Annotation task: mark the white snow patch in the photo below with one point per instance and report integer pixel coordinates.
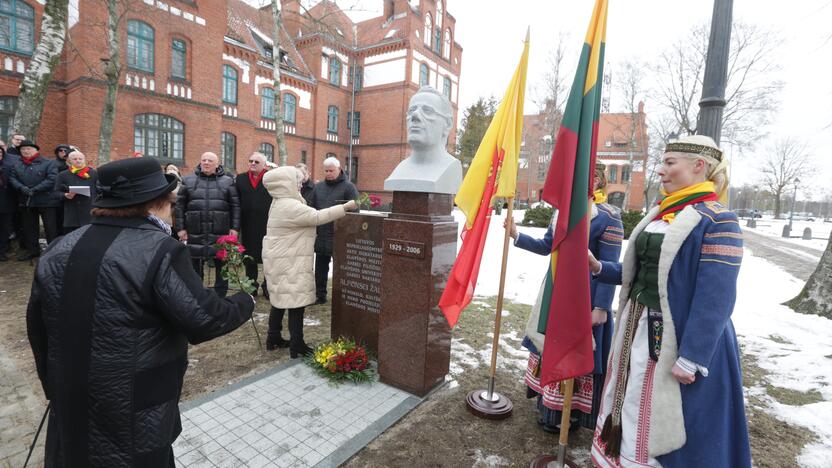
(488, 461)
(774, 228)
(308, 322)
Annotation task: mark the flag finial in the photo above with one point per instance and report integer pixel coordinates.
(528, 31)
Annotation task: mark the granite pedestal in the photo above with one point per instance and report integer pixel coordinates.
(356, 278)
(414, 339)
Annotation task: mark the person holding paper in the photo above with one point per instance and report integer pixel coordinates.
(77, 188)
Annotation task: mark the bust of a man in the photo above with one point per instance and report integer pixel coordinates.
(429, 168)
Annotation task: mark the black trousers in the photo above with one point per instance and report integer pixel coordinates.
(295, 326)
(5, 231)
(31, 226)
(220, 284)
(321, 274)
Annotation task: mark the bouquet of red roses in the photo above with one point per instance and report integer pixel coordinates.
(232, 254)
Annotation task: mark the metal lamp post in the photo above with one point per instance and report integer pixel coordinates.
(716, 71)
(794, 199)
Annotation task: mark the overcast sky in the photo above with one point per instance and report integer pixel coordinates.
(491, 34)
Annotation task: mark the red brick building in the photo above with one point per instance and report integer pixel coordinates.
(197, 77)
(617, 143)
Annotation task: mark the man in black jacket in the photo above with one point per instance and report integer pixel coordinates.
(207, 207)
(254, 213)
(34, 179)
(113, 307)
(333, 190)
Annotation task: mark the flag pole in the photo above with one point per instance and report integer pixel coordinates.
(567, 390)
(489, 404)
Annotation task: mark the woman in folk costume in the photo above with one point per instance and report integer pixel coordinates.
(605, 236)
(673, 395)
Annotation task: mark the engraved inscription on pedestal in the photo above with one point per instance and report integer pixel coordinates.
(360, 277)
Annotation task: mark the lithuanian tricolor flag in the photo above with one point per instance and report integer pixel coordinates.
(567, 350)
(493, 173)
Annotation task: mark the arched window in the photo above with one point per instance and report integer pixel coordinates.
(613, 177)
(290, 105)
(446, 51)
(140, 37)
(8, 106)
(159, 135)
(332, 119)
(267, 103)
(229, 151)
(335, 71)
(268, 150)
(17, 26)
(446, 87)
(625, 174)
(439, 15)
(424, 75)
(178, 59)
(428, 29)
(229, 84)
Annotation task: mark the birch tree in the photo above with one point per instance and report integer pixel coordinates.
(278, 101)
(552, 91)
(632, 92)
(112, 75)
(38, 76)
(816, 296)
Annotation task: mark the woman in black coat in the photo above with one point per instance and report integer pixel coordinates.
(125, 293)
(76, 206)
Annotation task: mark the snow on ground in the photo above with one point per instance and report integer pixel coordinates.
(774, 228)
(791, 347)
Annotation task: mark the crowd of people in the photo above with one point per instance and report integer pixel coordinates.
(145, 232)
(665, 390)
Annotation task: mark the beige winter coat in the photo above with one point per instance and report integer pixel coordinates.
(289, 245)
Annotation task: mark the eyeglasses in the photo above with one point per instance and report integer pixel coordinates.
(253, 161)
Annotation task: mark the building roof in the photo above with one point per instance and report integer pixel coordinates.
(252, 27)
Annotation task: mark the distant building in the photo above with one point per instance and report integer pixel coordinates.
(617, 145)
(197, 77)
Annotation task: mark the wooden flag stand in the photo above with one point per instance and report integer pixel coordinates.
(489, 404)
(560, 460)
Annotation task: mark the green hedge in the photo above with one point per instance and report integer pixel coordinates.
(630, 219)
(539, 216)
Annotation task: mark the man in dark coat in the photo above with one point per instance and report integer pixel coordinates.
(76, 209)
(14, 146)
(335, 189)
(34, 179)
(254, 213)
(8, 205)
(207, 207)
(113, 307)
(61, 153)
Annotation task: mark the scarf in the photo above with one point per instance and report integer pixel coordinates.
(160, 223)
(599, 196)
(82, 172)
(674, 202)
(28, 161)
(254, 179)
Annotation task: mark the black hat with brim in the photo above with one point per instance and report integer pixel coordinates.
(28, 143)
(130, 182)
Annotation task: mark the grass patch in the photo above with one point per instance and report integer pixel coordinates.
(791, 397)
(779, 339)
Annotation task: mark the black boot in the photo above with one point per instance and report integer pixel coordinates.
(297, 347)
(274, 340)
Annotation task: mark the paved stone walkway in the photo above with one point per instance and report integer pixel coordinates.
(286, 417)
(20, 412)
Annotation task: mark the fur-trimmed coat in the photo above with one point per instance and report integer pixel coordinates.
(704, 423)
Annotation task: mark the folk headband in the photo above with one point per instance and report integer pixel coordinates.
(693, 148)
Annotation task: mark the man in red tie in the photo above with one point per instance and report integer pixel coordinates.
(254, 212)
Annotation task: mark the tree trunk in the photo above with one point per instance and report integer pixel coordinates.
(112, 72)
(33, 89)
(816, 296)
(776, 205)
(278, 97)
